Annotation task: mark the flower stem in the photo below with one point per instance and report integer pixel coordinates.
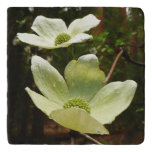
(114, 65)
(72, 140)
(90, 138)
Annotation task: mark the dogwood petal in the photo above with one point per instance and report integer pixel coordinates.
(111, 100)
(76, 39)
(84, 78)
(49, 81)
(45, 105)
(83, 24)
(79, 38)
(48, 28)
(35, 40)
(78, 120)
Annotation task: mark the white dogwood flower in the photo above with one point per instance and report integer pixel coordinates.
(81, 101)
(53, 33)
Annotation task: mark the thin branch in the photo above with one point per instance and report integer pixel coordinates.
(114, 65)
(128, 58)
(90, 138)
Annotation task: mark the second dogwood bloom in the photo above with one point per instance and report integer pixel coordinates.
(53, 33)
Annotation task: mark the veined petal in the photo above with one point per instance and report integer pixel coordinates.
(35, 40)
(111, 100)
(49, 81)
(76, 39)
(79, 120)
(48, 28)
(83, 24)
(79, 38)
(45, 105)
(84, 78)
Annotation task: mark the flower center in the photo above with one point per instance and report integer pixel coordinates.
(78, 103)
(62, 38)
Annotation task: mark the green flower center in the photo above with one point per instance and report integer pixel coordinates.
(62, 38)
(78, 103)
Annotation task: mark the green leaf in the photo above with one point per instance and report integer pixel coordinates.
(140, 109)
(103, 50)
(78, 120)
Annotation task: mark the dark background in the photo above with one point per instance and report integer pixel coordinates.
(119, 27)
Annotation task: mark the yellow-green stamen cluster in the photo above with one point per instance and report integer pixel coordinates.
(62, 38)
(78, 103)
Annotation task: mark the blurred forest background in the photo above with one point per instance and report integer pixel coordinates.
(119, 27)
